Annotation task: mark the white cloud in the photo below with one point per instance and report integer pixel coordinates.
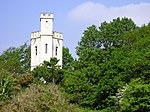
(95, 13)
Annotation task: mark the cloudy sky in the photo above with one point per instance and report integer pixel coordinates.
(18, 18)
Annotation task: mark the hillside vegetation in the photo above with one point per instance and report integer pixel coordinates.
(111, 74)
(40, 98)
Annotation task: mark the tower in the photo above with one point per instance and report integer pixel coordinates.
(46, 43)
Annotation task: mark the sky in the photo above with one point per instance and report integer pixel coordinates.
(18, 18)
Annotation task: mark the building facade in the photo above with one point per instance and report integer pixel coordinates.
(46, 43)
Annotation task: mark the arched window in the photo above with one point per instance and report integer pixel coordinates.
(56, 52)
(35, 50)
(46, 46)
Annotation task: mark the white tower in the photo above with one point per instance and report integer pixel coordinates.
(46, 43)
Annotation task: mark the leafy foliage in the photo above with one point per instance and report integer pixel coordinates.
(24, 80)
(67, 59)
(13, 62)
(135, 97)
(41, 98)
(109, 58)
(6, 85)
(108, 34)
(49, 71)
(16, 60)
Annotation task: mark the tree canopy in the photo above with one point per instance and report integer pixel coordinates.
(110, 57)
(16, 60)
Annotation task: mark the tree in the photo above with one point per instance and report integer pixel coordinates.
(112, 33)
(108, 34)
(25, 54)
(134, 97)
(49, 71)
(67, 59)
(10, 61)
(90, 40)
(98, 43)
(16, 60)
(108, 59)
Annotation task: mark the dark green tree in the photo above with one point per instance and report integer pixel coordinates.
(49, 71)
(67, 59)
(112, 33)
(10, 61)
(108, 34)
(25, 54)
(134, 97)
(16, 60)
(99, 74)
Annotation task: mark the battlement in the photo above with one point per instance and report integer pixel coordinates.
(35, 34)
(46, 16)
(57, 35)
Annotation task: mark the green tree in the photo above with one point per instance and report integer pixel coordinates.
(16, 60)
(102, 65)
(67, 59)
(10, 61)
(25, 54)
(112, 33)
(49, 71)
(108, 34)
(134, 97)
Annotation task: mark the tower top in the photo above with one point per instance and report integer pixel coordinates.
(47, 16)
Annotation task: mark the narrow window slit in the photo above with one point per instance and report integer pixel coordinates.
(35, 50)
(56, 52)
(46, 45)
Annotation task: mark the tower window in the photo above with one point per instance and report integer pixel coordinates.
(35, 50)
(46, 24)
(56, 52)
(46, 45)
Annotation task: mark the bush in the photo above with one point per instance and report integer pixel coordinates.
(135, 97)
(6, 85)
(24, 80)
(40, 98)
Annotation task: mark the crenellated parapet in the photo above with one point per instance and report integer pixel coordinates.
(46, 16)
(35, 34)
(58, 35)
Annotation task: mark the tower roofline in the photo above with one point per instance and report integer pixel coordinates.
(47, 16)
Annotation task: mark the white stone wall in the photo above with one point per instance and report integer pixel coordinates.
(46, 21)
(58, 42)
(46, 37)
(46, 40)
(35, 42)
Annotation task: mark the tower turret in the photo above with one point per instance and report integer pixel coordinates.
(46, 20)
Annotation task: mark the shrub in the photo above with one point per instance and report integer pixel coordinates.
(24, 80)
(6, 85)
(40, 98)
(135, 97)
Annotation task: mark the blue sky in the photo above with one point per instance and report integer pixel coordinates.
(18, 18)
